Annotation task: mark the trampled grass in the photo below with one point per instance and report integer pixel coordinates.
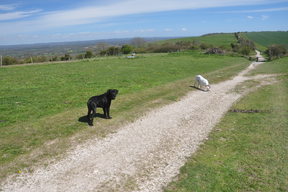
(42, 105)
(245, 151)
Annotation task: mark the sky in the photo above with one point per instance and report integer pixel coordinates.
(42, 21)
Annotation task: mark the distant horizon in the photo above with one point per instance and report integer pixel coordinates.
(34, 22)
(108, 39)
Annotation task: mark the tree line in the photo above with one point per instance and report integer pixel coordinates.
(243, 47)
(113, 50)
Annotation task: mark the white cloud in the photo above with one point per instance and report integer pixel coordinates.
(94, 14)
(144, 30)
(250, 17)
(17, 14)
(8, 7)
(121, 32)
(168, 30)
(184, 29)
(257, 10)
(264, 17)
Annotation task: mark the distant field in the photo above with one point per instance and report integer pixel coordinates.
(220, 39)
(268, 38)
(42, 103)
(245, 151)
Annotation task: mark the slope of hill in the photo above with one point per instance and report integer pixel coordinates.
(261, 39)
(267, 38)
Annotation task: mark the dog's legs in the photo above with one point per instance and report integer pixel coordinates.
(89, 115)
(106, 112)
(92, 116)
(196, 84)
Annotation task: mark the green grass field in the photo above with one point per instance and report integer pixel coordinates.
(31, 92)
(279, 66)
(265, 39)
(245, 151)
(41, 106)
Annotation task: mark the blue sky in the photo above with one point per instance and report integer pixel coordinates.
(36, 21)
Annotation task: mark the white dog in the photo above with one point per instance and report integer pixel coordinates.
(201, 82)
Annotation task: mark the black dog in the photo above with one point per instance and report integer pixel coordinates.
(103, 101)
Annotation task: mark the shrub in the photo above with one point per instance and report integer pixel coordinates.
(88, 54)
(126, 49)
(183, 45)
(80, 56)
(8, 60)
(215, 51)
(163, 48)
(205, 46)
(113, 51)
(66, 57)
(276, 51)
(39, 59)
(243, 46)
(54, 58)
(103, 53)
(245, 50)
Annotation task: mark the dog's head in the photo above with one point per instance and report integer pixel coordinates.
(112, 93)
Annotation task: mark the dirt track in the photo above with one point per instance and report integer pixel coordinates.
(142, 156)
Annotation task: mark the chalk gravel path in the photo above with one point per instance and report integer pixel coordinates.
(142, 156)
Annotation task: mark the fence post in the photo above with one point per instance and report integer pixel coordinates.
(0, 60)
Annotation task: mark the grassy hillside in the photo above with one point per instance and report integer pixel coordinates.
(219, 39)
(261, 39)
(246, 151)
(41, 106)
(268, 38)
